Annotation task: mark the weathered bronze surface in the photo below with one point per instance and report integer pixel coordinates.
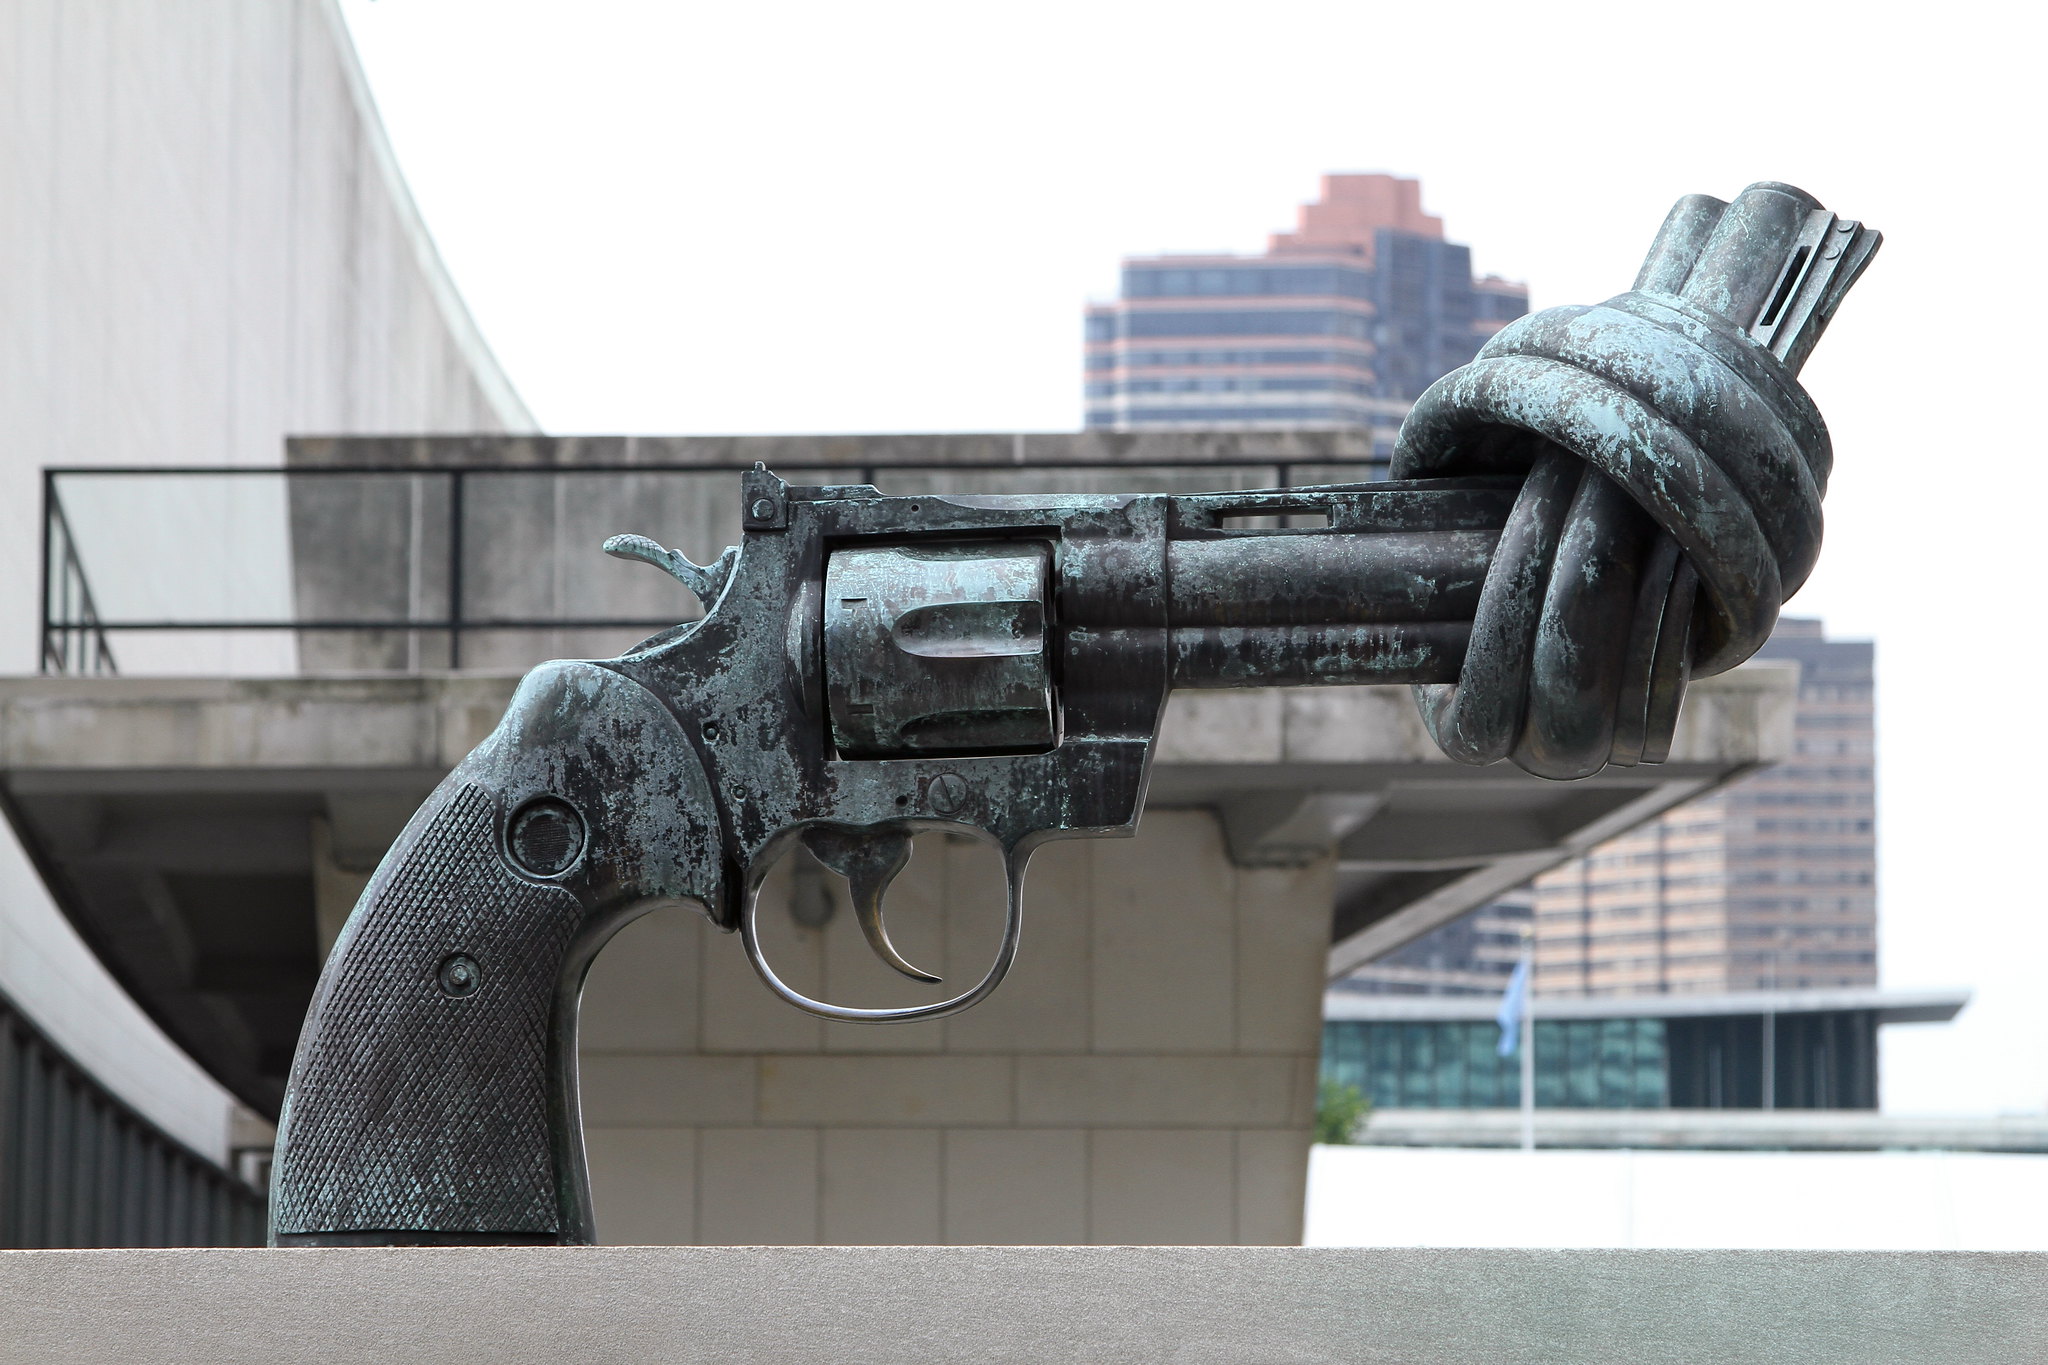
(1605, 502)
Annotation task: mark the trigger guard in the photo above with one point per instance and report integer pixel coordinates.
(1006, 954)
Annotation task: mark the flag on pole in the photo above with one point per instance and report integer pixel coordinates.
(1514, 1003)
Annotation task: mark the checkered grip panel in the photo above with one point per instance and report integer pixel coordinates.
(403, 1095)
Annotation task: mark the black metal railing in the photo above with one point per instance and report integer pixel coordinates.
(79, 1168)
(71, 639)
(76, 631)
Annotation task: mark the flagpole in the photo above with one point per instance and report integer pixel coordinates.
(1529, 1042)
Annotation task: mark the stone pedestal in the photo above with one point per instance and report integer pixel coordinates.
(1044, 1305)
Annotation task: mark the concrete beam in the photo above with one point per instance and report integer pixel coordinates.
(139, 733)
(1890, 1006)
(1743, 1130)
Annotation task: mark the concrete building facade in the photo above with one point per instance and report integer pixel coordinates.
(1472, 955)
(204, 245)
(1341, 323)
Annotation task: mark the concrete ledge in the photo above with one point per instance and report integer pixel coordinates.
(862, 1305)
(1743, 1130)
(1723, 1202)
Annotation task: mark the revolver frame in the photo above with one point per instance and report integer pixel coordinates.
(747, 682)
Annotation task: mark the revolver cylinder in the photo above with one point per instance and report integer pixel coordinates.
(939, 648)
(953, 646)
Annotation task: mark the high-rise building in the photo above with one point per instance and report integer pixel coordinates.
(1767, 884)
(1342, 322)
(1770, 883)
(1474, 954)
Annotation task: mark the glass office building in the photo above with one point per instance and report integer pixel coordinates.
(1456, 1064)
(1762, 1050)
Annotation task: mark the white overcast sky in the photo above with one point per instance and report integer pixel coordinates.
(859, 216)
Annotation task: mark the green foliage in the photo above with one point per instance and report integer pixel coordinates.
(1341, 1110)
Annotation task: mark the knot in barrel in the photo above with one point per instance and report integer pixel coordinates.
(1673, 473)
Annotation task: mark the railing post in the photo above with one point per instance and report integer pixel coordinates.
(43, 631)
(10, 1134)
(455, 568)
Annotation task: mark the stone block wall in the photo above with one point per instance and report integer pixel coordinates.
(1146, 1074)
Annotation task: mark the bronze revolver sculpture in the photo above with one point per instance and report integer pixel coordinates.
(1606, 501)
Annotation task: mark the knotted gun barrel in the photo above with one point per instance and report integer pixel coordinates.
(1656, 482)
(1673, 471)
(1606, 501)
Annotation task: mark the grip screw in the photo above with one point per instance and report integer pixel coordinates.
(459, 976)
(946, 793)
(546, 836)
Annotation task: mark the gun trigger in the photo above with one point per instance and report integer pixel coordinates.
(705, 580)
(869, 862)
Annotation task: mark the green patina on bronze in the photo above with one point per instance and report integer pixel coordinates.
(1604, 503)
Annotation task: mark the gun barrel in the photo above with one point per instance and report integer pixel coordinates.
(1299, 656)
(1384, 592)
(1328, 578)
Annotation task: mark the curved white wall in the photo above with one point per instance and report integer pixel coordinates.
(205, 245)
